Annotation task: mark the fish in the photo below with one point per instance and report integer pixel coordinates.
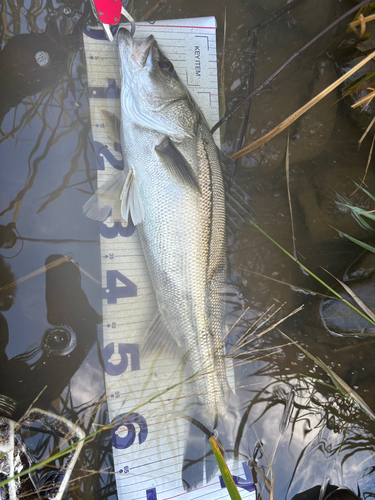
(172, 189)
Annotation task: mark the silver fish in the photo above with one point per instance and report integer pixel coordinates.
(174, 193)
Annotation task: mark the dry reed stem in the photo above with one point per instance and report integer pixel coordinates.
(364, 213)
(340, 385)
(236, 323)
(253, 331)
(352, 346)
(43, 269)
(275, 350)
(361, 19)
(297, 114)
(361, 22)
(18, 424)
(298, 288)
(241, 341)
(358, 301)
(274, 325)
(366, 132)
(367, 166)
(153, 9)
(260, 319)
(363, 25)
(365, 100)
(86, 273)
(248, 331)
(222, 71)
(289, 196)
(270, 470)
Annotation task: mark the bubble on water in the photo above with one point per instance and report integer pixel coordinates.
(59, 340)
(42, 58)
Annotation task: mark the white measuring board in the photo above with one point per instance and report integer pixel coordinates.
(149, 446)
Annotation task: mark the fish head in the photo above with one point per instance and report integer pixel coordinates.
(152, 94)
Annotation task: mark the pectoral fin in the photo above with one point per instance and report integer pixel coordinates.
(131, 201)
(159, 338)
(106, 198)
(176, 164)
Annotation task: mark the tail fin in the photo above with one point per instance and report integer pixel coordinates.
(200, 466)
(199, 462)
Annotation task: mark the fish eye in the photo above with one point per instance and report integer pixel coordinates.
(166, 65)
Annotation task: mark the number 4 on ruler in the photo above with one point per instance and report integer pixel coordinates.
(113, 292)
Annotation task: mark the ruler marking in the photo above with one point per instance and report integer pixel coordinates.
(160, 456)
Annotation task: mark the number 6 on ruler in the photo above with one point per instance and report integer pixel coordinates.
(124, 433)
(113, 292)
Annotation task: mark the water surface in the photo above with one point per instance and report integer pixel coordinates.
(48, 171)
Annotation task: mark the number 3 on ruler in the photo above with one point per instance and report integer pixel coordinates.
(114, 292)
(117, 229)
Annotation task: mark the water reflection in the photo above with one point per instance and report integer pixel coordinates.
(327, 440)
(24, 443)
(44, 371)
(48, 328)
(33, 62)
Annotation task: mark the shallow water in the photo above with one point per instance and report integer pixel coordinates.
(48, 171)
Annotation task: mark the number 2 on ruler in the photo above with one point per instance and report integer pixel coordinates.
(113, 292)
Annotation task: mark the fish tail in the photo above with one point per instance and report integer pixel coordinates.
(200, 466)
(228, 425)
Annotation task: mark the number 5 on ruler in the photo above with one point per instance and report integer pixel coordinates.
(113, 292)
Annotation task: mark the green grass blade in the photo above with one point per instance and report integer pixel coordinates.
(338, 382)
(366, 246)
(367, 192)
(360, 243)
(358, 212)
(314, 275)
(227, 476)
(362, 80)
(369, 216)
(363, 222)
(91, 436)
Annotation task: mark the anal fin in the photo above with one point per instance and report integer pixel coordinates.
(158, 338)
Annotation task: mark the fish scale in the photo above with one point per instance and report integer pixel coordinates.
(182, 232)
(173, 190)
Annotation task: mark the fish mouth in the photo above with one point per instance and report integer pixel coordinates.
(139, 53)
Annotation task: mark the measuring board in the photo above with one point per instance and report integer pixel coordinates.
(149, 446)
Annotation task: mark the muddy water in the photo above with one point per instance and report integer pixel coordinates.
(48, 170)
